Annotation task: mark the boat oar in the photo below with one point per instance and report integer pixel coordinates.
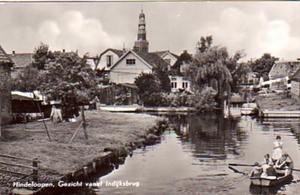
(237, 171)
(296, 169)
(244, 165)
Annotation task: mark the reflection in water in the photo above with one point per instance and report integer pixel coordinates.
(209, 137)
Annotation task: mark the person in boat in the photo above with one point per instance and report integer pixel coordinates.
(277, 152)
(267, 167)
(257, 170)
(267, 160)
(284, 161)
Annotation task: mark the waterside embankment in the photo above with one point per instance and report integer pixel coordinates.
(278, 105)
(110, 136)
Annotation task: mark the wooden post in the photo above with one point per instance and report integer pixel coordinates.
(75, 133)
(84, 122)
(35, 171)
(43, 120)
(0, 112)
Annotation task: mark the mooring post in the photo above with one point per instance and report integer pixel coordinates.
(85, 171)
(35, 169)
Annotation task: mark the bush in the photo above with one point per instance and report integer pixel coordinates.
(205, 100)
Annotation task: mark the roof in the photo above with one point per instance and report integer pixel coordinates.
(284, 68)
(151, 59)
(4, 58)
(296, 76)
(185, 57)
(163, 53)
(21, 60)
(116, 51)
(22, 98)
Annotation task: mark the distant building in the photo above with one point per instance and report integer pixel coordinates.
(178, 80)
(280, 73)
(20, 60)
(141, 44)
(168, 56)
(282, 69)
(108, 58)
(132, 64)
(5, 87)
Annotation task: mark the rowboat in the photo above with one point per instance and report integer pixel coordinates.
(249, 109)
(128, 108)
(282, 176)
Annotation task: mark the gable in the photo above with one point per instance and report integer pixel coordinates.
(108, 58)
(4, 58)
(169, 58)
(139, 64)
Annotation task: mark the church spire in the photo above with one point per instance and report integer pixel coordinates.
(141, 44)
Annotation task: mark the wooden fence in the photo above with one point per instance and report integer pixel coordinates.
(8, 161)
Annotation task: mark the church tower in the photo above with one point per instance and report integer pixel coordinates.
(141, 44)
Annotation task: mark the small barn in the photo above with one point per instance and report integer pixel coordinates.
(23, 107)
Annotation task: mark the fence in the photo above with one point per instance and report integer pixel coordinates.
(10, 163)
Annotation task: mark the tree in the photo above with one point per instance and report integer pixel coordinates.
(239, 71)
(41, 56)
(209, 69)
(162, 76)
(27, 80)
(149, 89)
(263, 65)
(68, 78)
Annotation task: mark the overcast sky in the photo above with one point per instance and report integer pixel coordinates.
(255, 27)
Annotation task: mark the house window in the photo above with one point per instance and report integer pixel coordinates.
(168, 61)
(173, 85)
(185, 85)
(173, 79)
(109, 60)
(130, 61)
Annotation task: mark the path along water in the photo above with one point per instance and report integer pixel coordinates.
(193, 158)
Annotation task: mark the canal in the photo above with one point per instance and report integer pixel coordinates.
(192, 158)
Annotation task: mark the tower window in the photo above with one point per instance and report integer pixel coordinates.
(130, 62)
(109, 60)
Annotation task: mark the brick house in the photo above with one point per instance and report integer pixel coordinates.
(5, 87)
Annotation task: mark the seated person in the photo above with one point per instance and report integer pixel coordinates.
(283, 162)
(267, 160)
(267, 167)
(257, 170)
(271, 171)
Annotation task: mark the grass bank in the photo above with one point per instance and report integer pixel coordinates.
(277, 101)
(58, 157)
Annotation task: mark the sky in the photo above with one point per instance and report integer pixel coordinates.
(92, 27)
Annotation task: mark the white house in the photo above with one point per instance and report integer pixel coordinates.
(132, 64)
(178, 81)
(108, 58)
(168, 56)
